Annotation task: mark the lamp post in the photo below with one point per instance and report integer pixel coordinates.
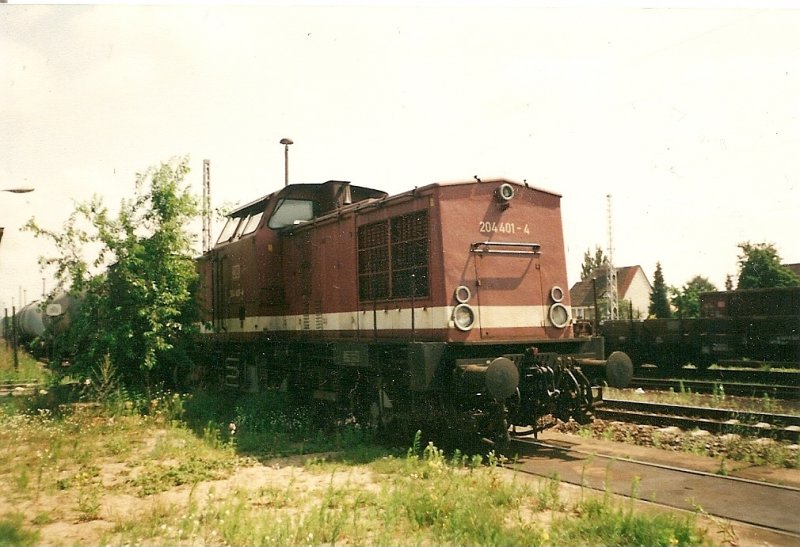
(286, 142)
(13, 309)
(18, 190)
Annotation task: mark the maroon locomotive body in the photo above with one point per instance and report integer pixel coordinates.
(442, 303)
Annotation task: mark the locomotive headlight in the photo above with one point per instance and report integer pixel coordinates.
(559, 315)
(557, 293)
(505, 192)
(463, 294)
(464, 317)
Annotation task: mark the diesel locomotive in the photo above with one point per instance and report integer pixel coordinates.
(443, 307)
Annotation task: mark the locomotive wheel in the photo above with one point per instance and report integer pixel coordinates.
(499, 435)
(373, 410)
(579, 405)
(380, 415)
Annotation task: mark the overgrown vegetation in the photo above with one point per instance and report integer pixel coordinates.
(137, 290)
(27, 368)
(168, 469)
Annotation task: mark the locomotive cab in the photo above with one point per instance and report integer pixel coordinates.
(242, 277)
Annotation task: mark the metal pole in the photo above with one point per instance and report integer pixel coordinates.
(14, 337)
(286, 142)
(594, 296)
(413, 298)
(206, 205)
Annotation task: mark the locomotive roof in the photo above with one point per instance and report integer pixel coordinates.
(371, 194)
(363, 191)
(499, 180)
(380, 201)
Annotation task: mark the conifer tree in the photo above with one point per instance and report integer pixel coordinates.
(728, 282)
(659, 302)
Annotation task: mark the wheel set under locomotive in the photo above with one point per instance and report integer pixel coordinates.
(440, 308)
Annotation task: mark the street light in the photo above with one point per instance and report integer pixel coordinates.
(286, 142)
(13, 310)
(18, 190)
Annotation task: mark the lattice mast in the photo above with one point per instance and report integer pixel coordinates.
(612, 311)
(206, 205)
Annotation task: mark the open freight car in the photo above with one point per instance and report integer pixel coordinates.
(746, 324)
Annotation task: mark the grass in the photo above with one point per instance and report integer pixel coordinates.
(424, 497)
(167, 470)
(28, 368)
(14, 534)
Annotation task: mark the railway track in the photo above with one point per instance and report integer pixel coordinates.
(776, 391)
(740, 375)
(745, 363)
(782, 427)
(19, 387)
(767, 507)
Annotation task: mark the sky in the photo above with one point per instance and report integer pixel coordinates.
(689, 118)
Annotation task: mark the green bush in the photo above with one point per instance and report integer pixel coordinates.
(13, 534)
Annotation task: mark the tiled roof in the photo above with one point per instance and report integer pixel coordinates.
(582, 294)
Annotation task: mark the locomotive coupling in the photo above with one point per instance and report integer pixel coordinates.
(500, 377)
(618, 368)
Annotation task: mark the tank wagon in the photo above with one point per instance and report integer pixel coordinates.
(40, 324)
(751, 324)
(441, 307)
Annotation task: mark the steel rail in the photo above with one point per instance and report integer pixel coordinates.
(730, 388)
(766, 377)
(783, 427)
(737, 499)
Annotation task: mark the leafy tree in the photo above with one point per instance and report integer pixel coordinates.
(687, 299)
(592, 262)
(760, 267)
(625, 309)
(728, 282)
(139, 309)
(659, 305)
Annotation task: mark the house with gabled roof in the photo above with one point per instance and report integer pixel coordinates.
(632, 287)
(794, 267)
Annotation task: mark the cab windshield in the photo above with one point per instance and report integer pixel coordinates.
(290, 212)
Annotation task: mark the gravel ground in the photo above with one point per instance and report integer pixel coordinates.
(766, 452)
